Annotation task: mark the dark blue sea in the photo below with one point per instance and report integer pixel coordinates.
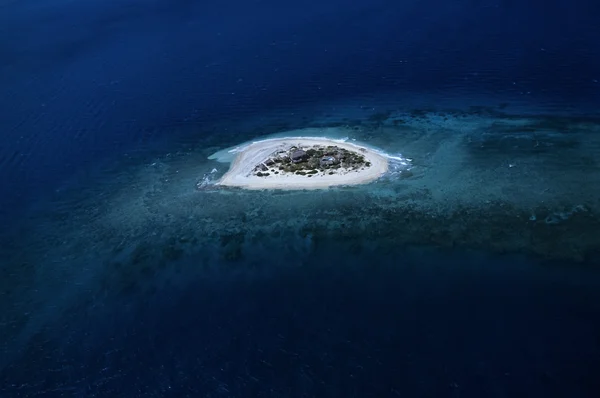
(470, 269)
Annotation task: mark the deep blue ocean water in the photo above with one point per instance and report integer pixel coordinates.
(90, 84)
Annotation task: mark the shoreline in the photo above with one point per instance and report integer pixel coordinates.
(248, 157)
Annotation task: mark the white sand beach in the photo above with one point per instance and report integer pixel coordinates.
(242, 171)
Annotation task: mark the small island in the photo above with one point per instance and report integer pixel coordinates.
(303, 163)
(312, 161)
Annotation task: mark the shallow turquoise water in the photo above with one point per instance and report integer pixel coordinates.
(133, 281)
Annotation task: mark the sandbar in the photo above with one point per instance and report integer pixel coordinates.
(303, 163)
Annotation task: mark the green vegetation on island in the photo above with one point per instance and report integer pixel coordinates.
(309, 161)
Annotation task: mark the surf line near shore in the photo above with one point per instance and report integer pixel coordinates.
(303, 163)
